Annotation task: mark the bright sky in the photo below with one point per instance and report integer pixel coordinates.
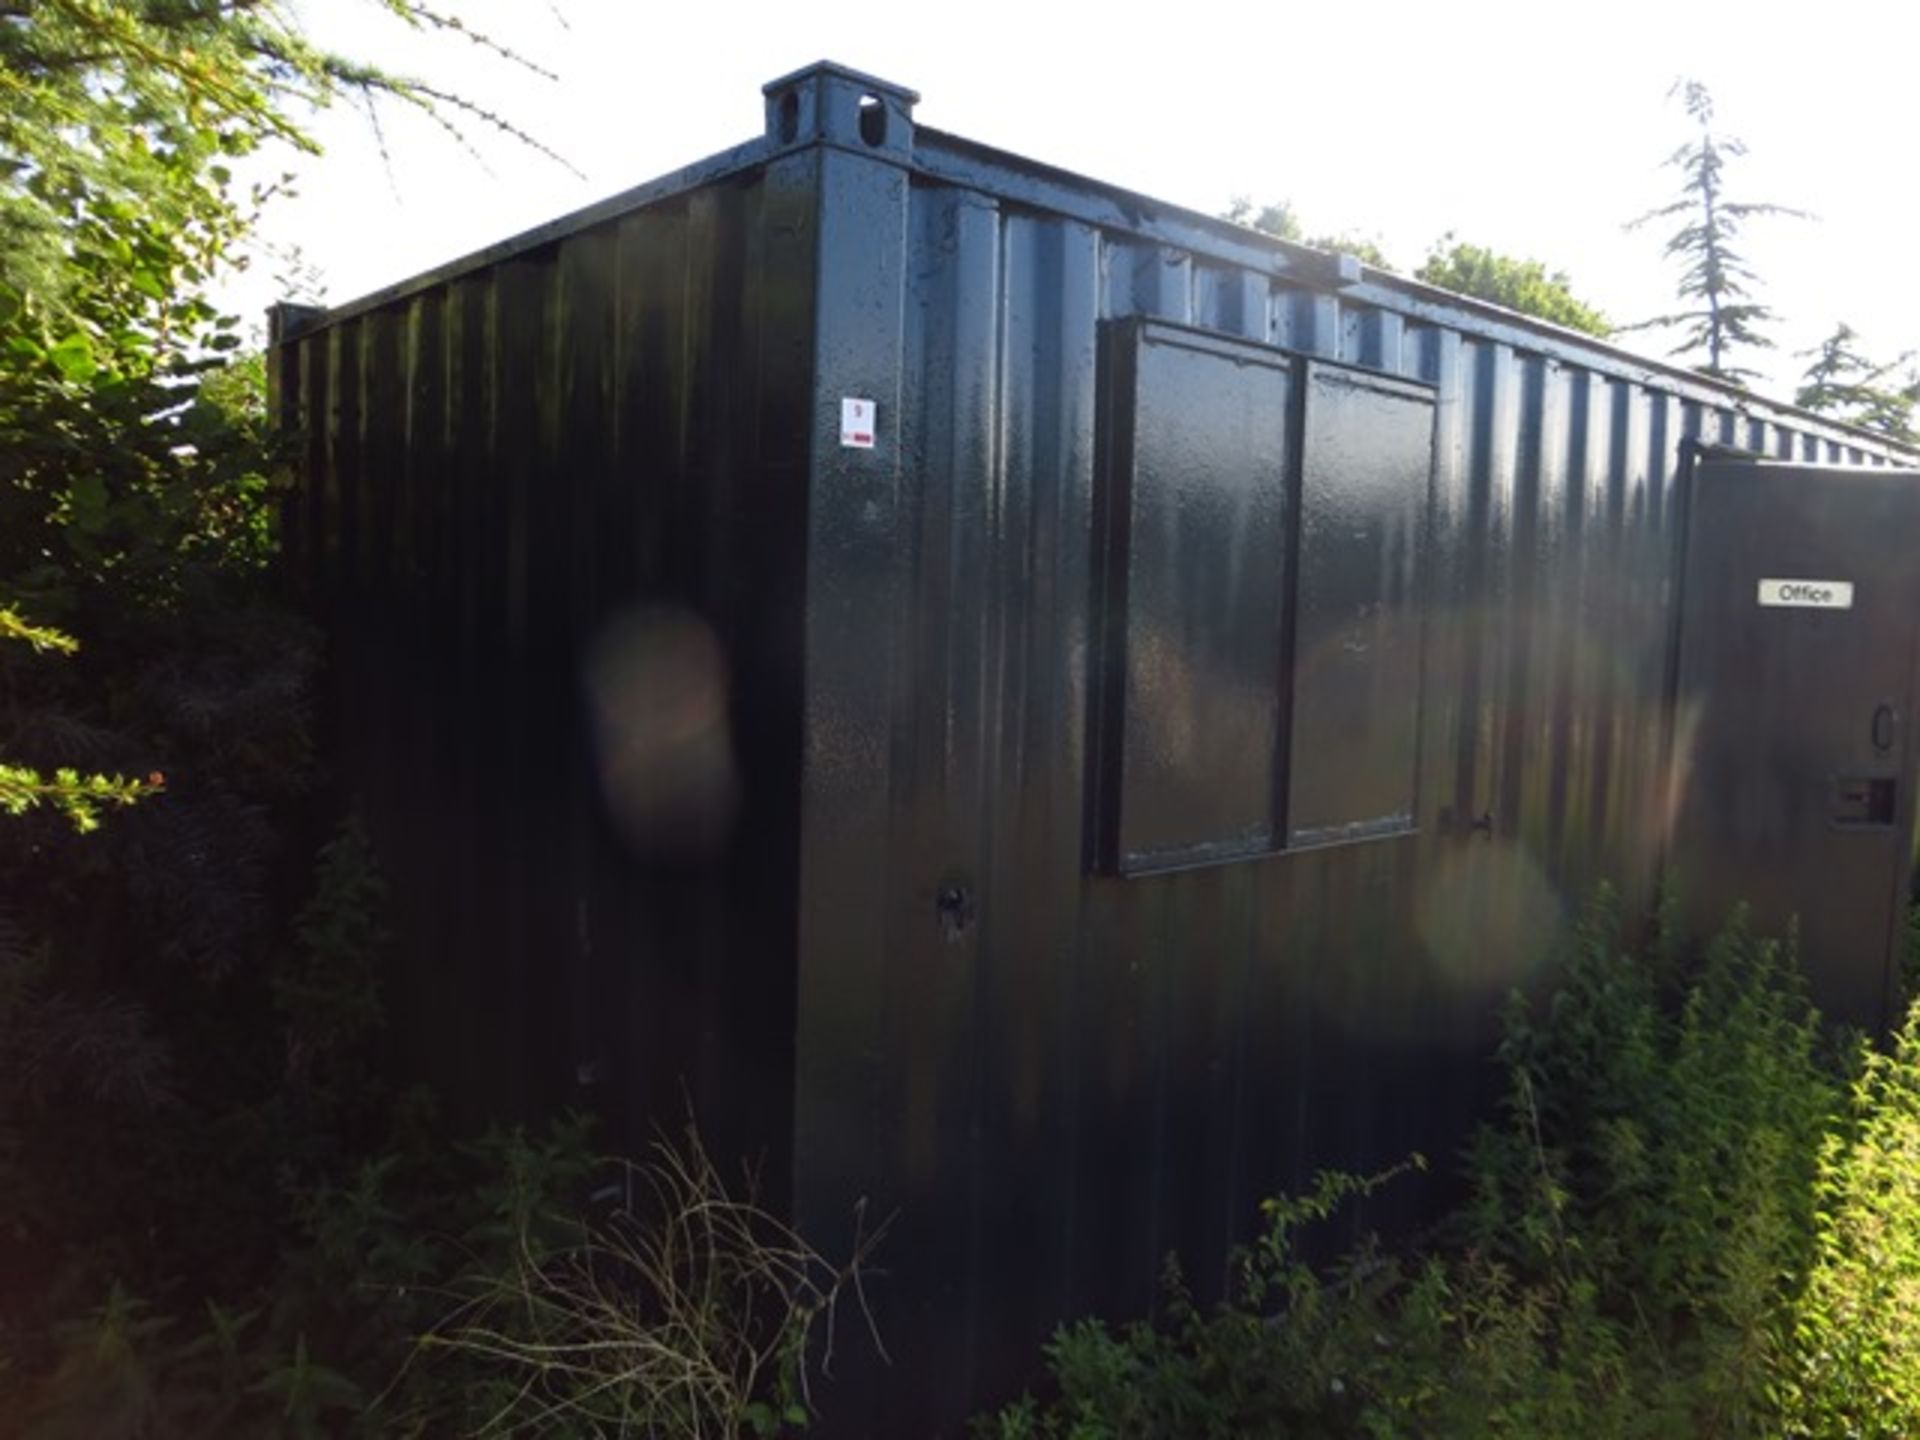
(1537, 128)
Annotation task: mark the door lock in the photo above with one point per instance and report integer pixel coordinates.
(1453, 824)
(953, 904)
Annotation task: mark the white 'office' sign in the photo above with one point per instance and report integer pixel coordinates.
(1808, 594)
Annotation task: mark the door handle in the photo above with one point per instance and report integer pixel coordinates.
(1884, 722)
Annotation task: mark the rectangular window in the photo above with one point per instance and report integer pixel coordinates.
(1264, 520)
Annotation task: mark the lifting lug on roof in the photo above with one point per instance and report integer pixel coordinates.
(830, 103)
(286, 320)
(1327, 270)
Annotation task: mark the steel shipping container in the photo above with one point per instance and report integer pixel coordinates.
(1028, 844)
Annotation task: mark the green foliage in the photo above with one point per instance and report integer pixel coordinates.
(328, 1261)
(1856, 1357)
(1523, 285)
(306, 1394)
(389, 1248)
(1289, 1352)
(327, 991)
(1716, 283)
(1280, 220)
(78, 797)
(463, 1290)
(1909, 987)
(1697, 1215)
(1842, 382)
(122, 470)
(41, 638)
(118, 123)
(146, 1143)
(125, 462)
(323, 1343)
(104, 1386)
(222, 1216)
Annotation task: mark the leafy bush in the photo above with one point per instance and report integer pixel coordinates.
(318, 1347)
(466, 1290)
(1698, 1213)
(264, 1235)
(1856, 1358)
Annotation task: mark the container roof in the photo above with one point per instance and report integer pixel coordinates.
(952, 159)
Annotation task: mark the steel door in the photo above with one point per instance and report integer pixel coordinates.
(1792, 723)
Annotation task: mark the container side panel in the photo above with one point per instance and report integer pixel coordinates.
(1059, 1074)
(547, 515)
(955, 764)
(1032, 1213)
(522, 364)
(420, 374)
(572, 892)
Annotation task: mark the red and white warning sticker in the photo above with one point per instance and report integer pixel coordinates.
(856, 423)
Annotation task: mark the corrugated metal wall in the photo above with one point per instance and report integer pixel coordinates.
(506, 471)
(1099, 1070)
(904, 961)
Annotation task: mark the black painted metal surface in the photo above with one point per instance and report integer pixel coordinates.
(1196, 539)
(1793, 761)
(546, 514)
(1365, 470)
(708, 747)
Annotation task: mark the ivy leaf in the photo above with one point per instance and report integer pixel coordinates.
(73, 358)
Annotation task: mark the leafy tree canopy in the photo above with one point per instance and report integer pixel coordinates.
(1523, 285)
(1280, 220)
(119, 117)
(134, 462)
(119, 123)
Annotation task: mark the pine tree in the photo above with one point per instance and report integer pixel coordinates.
(1844, 383)
(1716, 283)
